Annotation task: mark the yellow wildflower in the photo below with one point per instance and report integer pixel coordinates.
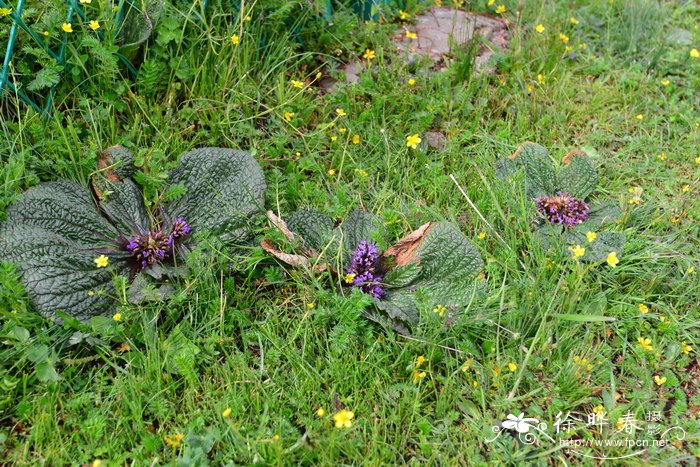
(310, 306)
(411, 35)
(662, 156)
(288, 116)
(331, 172)
(67, 27)
(355, 139)
(362, 173)
(5, 12)
(440, 310)
(691, 270)
(226, 413)
(413, 141)
(481, 235)
(665, 82)
(418, 375)
(297, 84)
(468, 364)
(411, 82)
(97, 463)
(591, 236)
(577, 251)
(640, 117)
(173, 440)
(340, 112)
(349, 278)
(91, 293)
(512, 366)
(600, 410)
(540, 78)
(643, 309)
(420, 359)
(343, 419)
(564, 38)
(501, 9)
(403, 15)
(685, 348)
(369, 54)
(94, 25)
(117, 317)
(645, 343)
(334, 138)
(659, 380)
(84, 2)
(102, 261)
(491, 2)
(686, 188)
(539, 28)
(235, 39)
(573, 20)
(695, 53)
(320, 412)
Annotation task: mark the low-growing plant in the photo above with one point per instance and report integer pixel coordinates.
(433, 267)
(563, 211)
(69, 242)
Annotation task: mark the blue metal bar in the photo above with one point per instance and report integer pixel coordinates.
(10, 45)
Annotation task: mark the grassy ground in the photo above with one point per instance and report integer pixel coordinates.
(273, 345)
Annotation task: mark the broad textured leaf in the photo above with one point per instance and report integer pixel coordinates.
(360, 225)
(58, 272)
(63, 207)
(533, 160)
(138, 25)
(599, 215)
(315, 228)
(578, 175)
(225, 188)
(397, 311)
(123, 204)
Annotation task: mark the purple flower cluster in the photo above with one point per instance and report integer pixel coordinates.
(155, 246)
(363, 269)
(562, 209)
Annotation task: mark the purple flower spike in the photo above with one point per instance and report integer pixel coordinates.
(363, 269)
(562, 209)
(180, 228)
(155, 246)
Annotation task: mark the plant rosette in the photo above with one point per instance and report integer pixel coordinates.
(68, 241)
(434, 267)
(563, 211)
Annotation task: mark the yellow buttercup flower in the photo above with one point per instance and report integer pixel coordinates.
(420, 359)
(102, 261)
(440, 310)
(640, 117)
(349, 278)
(235, 39)
(288, 116)
(85, 2)
(512, 366)
(501, 9)
(645, 343)
(403, 15)
(355, 139)
(5, 12)
(320, 412)
(695, 53)
(564, 38)
(573, 20)
(418, 375)
(226, 413)
(643, 309)
(540, 79)
(685, 189)
(685, 348)
(331, 172)
(340, 112)
(94, 25)
(362, 173)
(591, 236)
(662, 156)
(481, 235)
(413, 141)
(411, 35)
(67, 27)
(539, 28)
(697, 160)
(411, 82)
(659, 380)
(91, 293)
(577, 251)
(173, 440)
(665, 82)
(297, 84)
(117, 317)
(343, 419)
(369, 54)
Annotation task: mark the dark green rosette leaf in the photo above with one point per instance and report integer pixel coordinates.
(53, 233)
(359, 225)
(539, 175)
(599, 215)
(599, 249)
(225, 188)
(578, 175)
(314, 227)
(138, 25)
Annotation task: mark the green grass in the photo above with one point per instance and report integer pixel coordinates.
(274, 345)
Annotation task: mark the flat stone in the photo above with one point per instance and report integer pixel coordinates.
(440, 28)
